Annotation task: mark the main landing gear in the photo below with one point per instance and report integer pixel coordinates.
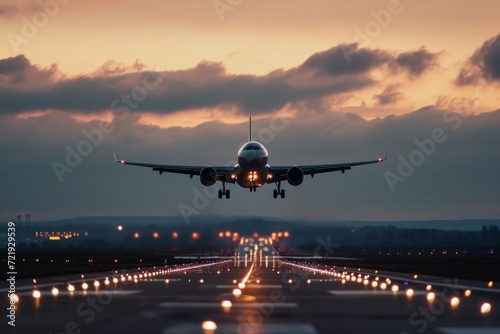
(224, 192)
(278, 192)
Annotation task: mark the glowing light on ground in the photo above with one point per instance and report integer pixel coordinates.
(485, 308)
(208, 326)
(454, 302)
(431, 296)
(14, 298)
(226, 304)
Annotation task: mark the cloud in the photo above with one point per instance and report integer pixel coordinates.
(7, 10)
(18, 77)
(99, 186)
(390, 95)
(324, 75)
(14, 64)
(415, 63)
(345, 59)
(483, 64)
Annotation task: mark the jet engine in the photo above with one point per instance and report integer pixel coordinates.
(208, 176)
(295, 176)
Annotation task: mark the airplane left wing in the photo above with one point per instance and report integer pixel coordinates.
(223, 172)
(279, 173)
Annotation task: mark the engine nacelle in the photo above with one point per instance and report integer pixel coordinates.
(208, 176)
(295, 176)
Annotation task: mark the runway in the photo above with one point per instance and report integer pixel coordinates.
(277, 296)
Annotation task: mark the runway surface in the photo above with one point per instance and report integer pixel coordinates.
(278, 296)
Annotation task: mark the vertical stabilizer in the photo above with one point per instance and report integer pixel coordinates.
(250, 123)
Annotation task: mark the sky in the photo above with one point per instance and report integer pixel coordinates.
(175, 81)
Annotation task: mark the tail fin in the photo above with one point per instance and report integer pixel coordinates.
(250, 122)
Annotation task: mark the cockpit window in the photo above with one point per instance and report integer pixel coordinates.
(252, 147)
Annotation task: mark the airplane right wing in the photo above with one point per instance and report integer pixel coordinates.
(279, 173)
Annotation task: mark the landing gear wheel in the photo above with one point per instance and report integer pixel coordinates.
(278, 192)
(254, 188)
(223, 192)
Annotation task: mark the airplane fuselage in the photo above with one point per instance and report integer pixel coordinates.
(252, 168)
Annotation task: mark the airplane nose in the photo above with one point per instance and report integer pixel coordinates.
(252, 160)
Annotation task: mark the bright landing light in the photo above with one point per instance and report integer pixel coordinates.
(454, 302)
(485, 308)
(208, 326)
(226, 304)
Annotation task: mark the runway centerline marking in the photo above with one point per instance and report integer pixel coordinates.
(229, 328)
(252, 286)
(218, 305)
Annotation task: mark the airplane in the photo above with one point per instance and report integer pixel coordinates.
(252, 170)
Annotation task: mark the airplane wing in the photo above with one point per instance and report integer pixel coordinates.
(223, 172)
(279, 172)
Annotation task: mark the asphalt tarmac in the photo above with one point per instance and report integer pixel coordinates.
(277, 296)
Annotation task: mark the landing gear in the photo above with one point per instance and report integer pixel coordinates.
(278, 192)
(224, 192)
(253, 188)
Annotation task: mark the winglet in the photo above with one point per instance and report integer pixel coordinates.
(120, 161)
(385, 158)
